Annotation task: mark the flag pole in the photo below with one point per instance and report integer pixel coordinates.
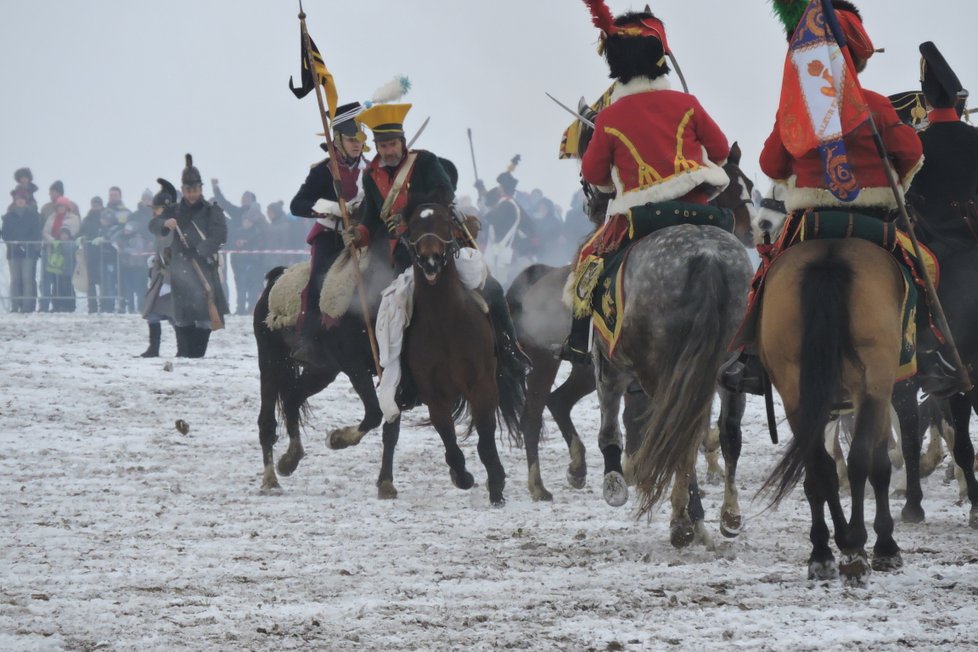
(338, 189)
(937, 310)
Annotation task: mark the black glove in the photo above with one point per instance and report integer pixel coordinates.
(587, 132)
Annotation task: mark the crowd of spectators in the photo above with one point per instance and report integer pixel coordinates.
(55, 255)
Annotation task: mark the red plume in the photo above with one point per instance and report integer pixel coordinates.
(601, 15)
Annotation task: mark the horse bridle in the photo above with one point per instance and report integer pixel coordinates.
(452, 246)
(744, 182)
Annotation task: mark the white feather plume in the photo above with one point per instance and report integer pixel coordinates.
(392, 91)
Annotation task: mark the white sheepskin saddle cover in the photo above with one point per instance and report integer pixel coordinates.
(285, 299)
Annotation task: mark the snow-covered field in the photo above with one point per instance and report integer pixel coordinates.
(120, 533)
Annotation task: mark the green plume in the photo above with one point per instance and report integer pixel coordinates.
(789, 12)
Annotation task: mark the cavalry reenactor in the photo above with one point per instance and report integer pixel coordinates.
(200, 230)
(317, 200)
(651, 144)
(510, 238)
(944, 191)
(396, 175)
(809, 192)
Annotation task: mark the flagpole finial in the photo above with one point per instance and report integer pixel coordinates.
(302, 14)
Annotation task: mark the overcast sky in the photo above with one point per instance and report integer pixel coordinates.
(114, 92)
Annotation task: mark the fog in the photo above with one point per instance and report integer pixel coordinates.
(114, 92)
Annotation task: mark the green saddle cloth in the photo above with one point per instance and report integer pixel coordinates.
(649, 218)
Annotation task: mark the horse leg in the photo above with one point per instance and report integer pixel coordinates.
(821, 562)
(440, 414)
(484, 418)
(637, 410)
(711, 453)
(732, 408)
(363, 385)
(561, 401)
(908, 417)
(886, 552)
(385, 482)
(964, 451)
(311, 381)
(833, 430)
(610, 385)
(686, 520)
(267, 427)
(538, 383)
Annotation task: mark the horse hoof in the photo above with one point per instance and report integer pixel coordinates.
(344, 438)
(540, 493)
(288, 463)
(973, 519)
(854, 569)
(886, 563)
(822, 571)
(465, 481)
(576, 481)
(731, 525)
(386, 490)
(615, 489)
(681, 533)
(912, 514)
(271, 490)
(497, 499)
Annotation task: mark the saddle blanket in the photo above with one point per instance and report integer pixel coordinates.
(815, 225)
(285, 298)
(394, 315)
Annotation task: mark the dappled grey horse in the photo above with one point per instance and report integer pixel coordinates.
(685, 291)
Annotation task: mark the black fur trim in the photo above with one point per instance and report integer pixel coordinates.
(630, 56)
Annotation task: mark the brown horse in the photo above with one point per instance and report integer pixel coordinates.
(449, 353)
(829, 333)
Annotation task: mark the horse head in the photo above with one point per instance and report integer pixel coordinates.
(737, 195)
(430, 238)
(770, 216)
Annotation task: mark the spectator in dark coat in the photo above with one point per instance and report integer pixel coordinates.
(22, 232)
(93, 264)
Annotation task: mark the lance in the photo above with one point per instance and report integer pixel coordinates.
(419, 132)
(337, 186)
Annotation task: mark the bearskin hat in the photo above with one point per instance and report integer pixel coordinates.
(191, 175)
(166, 196)
(634, 44)
(940, 85)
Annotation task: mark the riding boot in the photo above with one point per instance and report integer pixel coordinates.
(154, 341)
(306, 351)
(183, 340)
(743, 374)
(936, 376)
(576, 347)
(511, 356)
(200, 339)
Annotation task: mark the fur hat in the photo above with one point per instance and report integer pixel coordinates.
(191, 175)
(634, 44)
(940, 85)
(23, 172)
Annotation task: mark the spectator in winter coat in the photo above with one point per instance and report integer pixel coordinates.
(106, 245)
(22, 231)
(62, 219)
(56, 191)
(134, 251)
(247, 234)
(93, 264)
(279, 236)
(25, 183)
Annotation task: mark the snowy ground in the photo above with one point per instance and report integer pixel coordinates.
(121, 533)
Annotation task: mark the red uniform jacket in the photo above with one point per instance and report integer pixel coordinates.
(808, 190)
(655, 144)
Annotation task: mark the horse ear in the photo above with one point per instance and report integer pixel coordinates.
(734, 156)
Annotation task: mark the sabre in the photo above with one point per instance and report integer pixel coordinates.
(420, 129)
(571, 111)
(472, 149)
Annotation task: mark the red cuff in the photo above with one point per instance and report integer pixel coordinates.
(364, 238)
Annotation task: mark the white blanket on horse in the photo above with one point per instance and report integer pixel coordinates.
(394, 315)
(285, 298)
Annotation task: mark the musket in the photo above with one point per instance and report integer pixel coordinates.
(418, 133)
(216, 322)
(571, 111)
(344, 210)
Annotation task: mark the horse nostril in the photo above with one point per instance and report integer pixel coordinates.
(765, 225)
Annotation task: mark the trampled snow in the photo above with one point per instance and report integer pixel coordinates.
(121, 533)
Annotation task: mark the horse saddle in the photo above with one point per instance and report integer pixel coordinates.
(335, 296)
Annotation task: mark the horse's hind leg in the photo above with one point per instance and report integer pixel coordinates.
(538, 385)
(562, 400)
(267, 435)
(484, 417)
(441, 419)
(385, 482)
(362, 382)
(886, 552)
(310, 382)
(732, 408)
(964, 451)
(611, 384)
(908, 417)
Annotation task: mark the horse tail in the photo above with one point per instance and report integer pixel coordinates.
(826, 343)
(522, 282)
(687, 381)
(276, 368)
(512, 400)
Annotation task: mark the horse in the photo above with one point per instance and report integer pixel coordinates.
(829, 332)
(449, 352)
(542, 323)
(286, 386)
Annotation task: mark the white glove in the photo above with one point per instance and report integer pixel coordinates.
(351, 236)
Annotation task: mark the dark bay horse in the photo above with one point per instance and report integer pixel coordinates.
(285, 386)
(829, 332)
(449, 352)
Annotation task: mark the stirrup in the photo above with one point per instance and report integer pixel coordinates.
(574, 355)
(735, 376)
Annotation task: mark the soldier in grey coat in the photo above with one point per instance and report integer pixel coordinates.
(200, 231)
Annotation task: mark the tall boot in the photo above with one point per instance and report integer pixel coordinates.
(576, 348)
(935, 375)
(154, 341)
(200, 338)
(510, 353)
(183, 340)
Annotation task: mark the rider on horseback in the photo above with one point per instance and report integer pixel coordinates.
(809, 191)
(943, 192)
(396, 175)
(650, 145)
(317, 200)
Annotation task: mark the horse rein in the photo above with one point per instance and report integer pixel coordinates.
(452, 246)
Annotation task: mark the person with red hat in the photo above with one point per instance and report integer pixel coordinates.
(651, 144)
